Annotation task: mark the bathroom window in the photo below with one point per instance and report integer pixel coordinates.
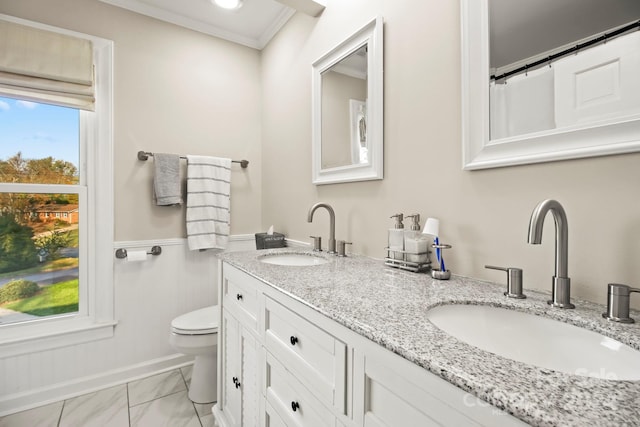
(56, 201)
(40, 254)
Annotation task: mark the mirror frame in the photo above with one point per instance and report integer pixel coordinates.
(479, 152)
(371, 36)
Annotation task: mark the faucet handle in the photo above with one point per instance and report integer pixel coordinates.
(341, 247)
(618, 303)
(317, 243)
(514, 281)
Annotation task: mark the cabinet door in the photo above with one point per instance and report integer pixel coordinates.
(240, 387)
(249, 385)
(231, 397)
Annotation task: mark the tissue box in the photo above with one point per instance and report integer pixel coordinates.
(269, 241)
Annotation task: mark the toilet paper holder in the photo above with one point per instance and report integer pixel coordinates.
(122, 253)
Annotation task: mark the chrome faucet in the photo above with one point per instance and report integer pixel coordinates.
(332, 224)
(561, 284)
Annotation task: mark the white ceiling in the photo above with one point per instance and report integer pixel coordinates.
(253, 25)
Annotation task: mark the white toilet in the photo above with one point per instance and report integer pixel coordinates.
(196, 333)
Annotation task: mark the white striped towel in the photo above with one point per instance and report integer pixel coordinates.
(208, 202)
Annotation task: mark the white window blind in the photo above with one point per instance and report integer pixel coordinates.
(46, 66)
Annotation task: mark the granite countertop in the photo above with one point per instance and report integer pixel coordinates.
(387, 305)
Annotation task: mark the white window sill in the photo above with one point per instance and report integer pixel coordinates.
(39, 336)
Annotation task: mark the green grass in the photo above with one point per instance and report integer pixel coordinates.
(55, 299)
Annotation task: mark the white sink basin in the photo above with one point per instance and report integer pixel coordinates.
(293, 259)
(538, 341)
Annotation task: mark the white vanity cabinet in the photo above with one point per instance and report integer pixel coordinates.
(297, 368)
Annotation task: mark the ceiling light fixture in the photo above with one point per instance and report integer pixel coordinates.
(228, 4)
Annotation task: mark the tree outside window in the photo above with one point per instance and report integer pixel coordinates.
(39, 251)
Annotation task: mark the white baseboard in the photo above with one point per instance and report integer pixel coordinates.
(27, 400)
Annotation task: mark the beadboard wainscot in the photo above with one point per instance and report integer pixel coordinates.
(149, 294)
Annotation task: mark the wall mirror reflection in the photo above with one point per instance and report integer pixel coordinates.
(549, 80)
(347, 109)
(344, 112)
(582, 68)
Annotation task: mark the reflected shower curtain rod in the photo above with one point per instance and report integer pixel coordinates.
(574, 49)
(144, 155)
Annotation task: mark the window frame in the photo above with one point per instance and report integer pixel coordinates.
(96, 317)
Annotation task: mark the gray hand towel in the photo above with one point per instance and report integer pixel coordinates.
(166, 180)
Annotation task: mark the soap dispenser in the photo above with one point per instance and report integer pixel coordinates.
(396, 238)
(416, 244)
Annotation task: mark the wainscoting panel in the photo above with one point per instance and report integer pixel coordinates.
(148, 295)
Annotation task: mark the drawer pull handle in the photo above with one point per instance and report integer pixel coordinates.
(238, 297)
(238, 384)
(293, 340)
(295, 406)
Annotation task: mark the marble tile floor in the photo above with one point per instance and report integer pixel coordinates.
(156, 401)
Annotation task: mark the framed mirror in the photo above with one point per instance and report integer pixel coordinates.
(588, 103)
(347, 122)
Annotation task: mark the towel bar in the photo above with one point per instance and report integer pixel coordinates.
(122, 253)
(144, 155)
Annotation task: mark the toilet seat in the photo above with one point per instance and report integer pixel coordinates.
(198, 322)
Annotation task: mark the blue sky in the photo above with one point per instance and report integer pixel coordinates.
(38, 130)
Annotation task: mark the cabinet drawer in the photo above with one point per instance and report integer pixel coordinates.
(272, 419)
(312, 355)
(391, 391)
(391, 399)
(240, 296)
(294, 404)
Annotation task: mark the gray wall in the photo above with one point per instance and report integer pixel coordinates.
(241, 103)
(176, 91)
(483, 214)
